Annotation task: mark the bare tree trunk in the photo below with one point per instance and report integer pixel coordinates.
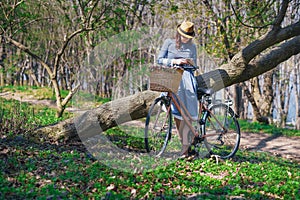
(255, 98)
(256, 114)
(267, 94)
(297, 93)
(238, 103)
(32, 74)
(2, 58)
(2, 82)
(246, 104)
(262, 97)
(283, 93)
(63, 79)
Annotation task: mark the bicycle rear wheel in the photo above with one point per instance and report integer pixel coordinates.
(222, 131)
(158, 126)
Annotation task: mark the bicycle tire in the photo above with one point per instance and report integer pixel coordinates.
(158, 126)
(225, 144)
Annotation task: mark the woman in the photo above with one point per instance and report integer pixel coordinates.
(182, 51)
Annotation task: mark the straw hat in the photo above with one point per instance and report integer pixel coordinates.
(186, 29)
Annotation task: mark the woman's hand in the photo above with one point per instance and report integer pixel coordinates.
(182, 61)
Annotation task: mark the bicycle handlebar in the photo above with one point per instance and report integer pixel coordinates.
(186, 67)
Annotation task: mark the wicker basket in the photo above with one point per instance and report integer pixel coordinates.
(164, 79)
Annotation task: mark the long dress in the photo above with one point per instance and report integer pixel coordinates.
(188, 85)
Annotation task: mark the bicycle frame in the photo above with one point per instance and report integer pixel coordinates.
(204, 108)
(187, 118)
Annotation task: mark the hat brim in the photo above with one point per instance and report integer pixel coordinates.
(185, 34)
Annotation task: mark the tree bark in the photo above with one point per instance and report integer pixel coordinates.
(238, 70)
(100, 119)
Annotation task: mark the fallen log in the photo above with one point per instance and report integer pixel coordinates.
(99, 119)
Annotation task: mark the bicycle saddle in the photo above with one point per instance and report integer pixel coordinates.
(204, 91)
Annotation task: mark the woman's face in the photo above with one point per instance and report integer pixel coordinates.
(184, 39)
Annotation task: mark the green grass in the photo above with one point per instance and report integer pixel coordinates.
(68, 171)
(20, 118)
(43, 171)
(257, 127)
(131, 137)
(35, 92)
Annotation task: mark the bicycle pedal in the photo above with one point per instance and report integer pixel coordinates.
(197, 140)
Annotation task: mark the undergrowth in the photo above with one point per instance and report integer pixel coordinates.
(18, 118)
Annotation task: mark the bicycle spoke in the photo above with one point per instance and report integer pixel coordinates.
(157, 127)
(222, 131)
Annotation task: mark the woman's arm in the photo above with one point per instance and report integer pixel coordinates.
(194, 53)
(163, 54)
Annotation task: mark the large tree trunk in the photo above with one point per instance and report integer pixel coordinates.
(100, 119)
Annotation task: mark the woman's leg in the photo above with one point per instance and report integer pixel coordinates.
(183, 129)
(185, 132)
(179, 129)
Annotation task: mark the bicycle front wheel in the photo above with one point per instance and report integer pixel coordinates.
(222, 131)
(158, 126)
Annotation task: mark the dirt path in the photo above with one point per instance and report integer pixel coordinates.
(32, 100)
(287, 147)
(28, 99)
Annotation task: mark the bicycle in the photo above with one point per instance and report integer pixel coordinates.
(217, 126)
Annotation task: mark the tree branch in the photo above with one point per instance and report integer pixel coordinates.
(64, 46)
(231, 73)
(90, 14)
(276, 56)
(70, 94)
(221, 25)
(243, 23)
(268, 40)
(30, 22)
(27, 50)
(281, 14)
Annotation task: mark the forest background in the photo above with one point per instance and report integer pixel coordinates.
(46, 44)
(53, 45)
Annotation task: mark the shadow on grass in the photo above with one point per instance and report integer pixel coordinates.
(64, 170)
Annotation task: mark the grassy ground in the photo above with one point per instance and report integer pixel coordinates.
(257, 127)
(68, 171)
